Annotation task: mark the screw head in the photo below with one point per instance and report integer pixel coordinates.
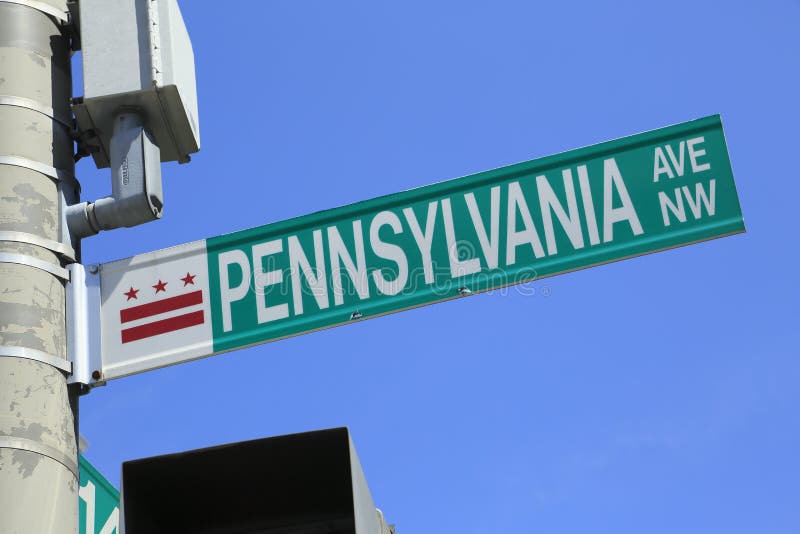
(356, 315)
(96, 374)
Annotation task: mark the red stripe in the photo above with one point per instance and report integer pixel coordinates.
(162, 327)
(161, 306)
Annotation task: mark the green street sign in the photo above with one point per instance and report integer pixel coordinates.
(645, 193)
(98, 508)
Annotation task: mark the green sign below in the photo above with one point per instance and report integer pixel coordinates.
(98, 509)
(615, 200)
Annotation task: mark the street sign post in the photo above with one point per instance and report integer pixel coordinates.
(98, 509)
(615, 200)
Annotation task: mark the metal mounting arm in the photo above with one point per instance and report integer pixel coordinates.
(136, 195)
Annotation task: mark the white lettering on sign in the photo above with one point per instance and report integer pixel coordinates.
(550, 204)
(612, 180)
(662, 166)
(345, 254)
(696, 202)
(264, 279)
(489, 245)
(230, 294)
(457, 266)
(388, 251)
(696, 153)
(588, 205)
(316, 278)
(87, 494)
(424, 239)
(357, 271)
(528, 235)
(673, 165)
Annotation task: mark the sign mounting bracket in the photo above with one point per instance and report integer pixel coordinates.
(83, 325)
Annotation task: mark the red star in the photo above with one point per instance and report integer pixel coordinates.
(131, 293)
(160, 286)
(188, 279)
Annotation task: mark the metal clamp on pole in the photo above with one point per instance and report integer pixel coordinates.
(62, 249)
(25, 444)
(62, 17)
(136, 196)
(83, 326)
(30, 261)
(27, 103)
(37, 355)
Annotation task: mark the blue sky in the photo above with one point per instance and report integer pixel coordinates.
(657, 394)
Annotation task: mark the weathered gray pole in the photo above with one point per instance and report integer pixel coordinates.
(38, 456)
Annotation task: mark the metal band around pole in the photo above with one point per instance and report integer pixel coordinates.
(23, 259)
(37, 355)
(61, 249)
(27, 103)
(44, 7)
(25, 444)
(52, 172)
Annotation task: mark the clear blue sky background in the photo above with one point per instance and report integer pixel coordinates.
(655, 395)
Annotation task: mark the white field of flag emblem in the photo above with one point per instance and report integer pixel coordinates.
(155, 310)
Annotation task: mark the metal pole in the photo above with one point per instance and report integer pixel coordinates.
(38, 417)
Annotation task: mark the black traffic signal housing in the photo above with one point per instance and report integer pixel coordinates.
(308, 483)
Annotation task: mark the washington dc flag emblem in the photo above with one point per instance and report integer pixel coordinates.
(157, 305)
(168, 314)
